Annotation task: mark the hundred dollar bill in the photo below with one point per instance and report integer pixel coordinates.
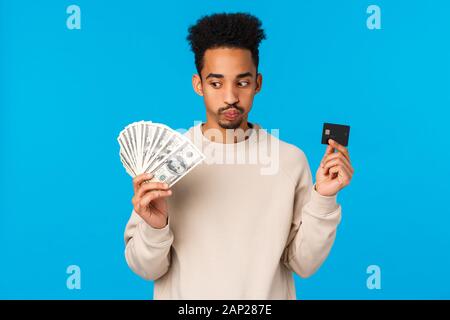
(127, 165)
(178, 164)
(127, 148)
(130, 135)
(158, 138)
(173, 143)
(149, 136)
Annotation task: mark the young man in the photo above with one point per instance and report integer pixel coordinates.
(226, 230)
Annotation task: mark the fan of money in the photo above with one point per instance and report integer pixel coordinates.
(148, 147)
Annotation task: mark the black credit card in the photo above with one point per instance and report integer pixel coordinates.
(338, 132)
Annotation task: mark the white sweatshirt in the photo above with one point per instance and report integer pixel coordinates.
(233, 232)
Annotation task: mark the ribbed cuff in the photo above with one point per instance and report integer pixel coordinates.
(322, 205)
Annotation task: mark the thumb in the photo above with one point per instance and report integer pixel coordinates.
(329, 150)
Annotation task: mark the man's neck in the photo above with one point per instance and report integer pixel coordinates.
(222, 135)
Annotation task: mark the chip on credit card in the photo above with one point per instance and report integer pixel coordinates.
(338, 132)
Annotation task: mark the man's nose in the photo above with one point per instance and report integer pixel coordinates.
(231, 97)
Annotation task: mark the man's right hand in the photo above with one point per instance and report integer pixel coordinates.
(149, 200)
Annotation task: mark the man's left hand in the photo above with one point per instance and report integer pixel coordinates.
(335, 170)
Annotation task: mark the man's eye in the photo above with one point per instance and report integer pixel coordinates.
(215, 85)
(243, 83)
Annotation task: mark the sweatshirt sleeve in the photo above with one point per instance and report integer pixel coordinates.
(313, 229)
(147, 249)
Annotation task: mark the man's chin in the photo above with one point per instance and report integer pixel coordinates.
(230, 124)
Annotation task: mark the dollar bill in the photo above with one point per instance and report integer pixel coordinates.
(152, 147)
(157, 135)
(178, 164)
(173, 142)
(127, 149)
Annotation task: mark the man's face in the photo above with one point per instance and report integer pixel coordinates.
(228, 84)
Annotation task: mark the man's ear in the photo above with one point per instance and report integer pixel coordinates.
(258, 83)
(197, 84)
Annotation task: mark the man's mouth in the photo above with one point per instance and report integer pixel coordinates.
(231, 114)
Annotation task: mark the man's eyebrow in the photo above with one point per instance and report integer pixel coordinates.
(239, 76)
(214, 75)
(243, 75)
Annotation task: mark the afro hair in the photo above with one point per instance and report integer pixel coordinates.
(225, 30)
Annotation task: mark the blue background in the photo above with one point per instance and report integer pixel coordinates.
(66, 94)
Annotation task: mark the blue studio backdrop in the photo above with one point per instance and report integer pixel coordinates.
(66, 92)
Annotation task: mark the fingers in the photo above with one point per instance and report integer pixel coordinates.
(137, 181)
(339, 147)
(149, 186)
(153, 195)
(339, 164)
(336, 159)
(344, 176)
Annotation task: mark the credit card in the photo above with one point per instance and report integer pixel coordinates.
(338, 132)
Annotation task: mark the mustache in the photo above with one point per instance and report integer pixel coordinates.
(240, 109)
